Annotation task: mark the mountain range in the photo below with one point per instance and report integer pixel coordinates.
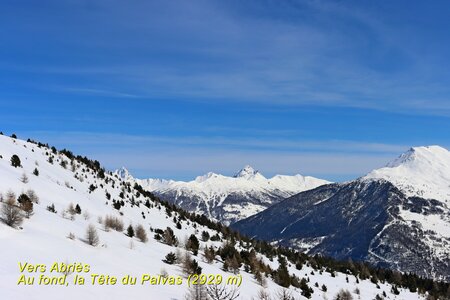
(224, 198)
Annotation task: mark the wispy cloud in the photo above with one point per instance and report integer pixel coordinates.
(127, 141)
(254, 52)
(183, 158)
(92, 91)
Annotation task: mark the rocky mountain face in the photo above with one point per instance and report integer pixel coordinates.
(395, 217)
(229, 199)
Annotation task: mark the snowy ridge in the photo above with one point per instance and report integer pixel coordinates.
(47, 237)
(230, 199)
(421, 171)
(244, 180)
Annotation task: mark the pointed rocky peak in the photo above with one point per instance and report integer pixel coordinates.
(123, 173)
(417, 155)
(247, 172)
(421, 171)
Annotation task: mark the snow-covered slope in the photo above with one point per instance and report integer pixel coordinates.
(47, 237)
(229, 199)
(421, 171)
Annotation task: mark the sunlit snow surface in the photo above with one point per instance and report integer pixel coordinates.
(43, 238)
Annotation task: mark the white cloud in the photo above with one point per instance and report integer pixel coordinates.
(175, 157)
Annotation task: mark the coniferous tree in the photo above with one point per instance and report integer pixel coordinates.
(78, 209)
(15, 161)
(193, 244)
(23, 198)
(169, 237)
(26, 204)
(306, 290)
(282, 275)
(170, 258)
(130, 231)
(51, 208)
(36, 172)
(205, 236)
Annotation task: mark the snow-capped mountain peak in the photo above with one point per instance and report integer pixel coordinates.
(424, 154)
(248, 172)
(207, 176)
(420, 171)
(123, 174)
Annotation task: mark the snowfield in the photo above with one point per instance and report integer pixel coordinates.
(44, 237)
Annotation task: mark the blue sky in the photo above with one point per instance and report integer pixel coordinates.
(174, 89)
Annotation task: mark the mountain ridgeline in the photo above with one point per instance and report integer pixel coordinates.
(227, 199)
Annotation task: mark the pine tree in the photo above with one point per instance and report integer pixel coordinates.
(36, 172)
(147, 203)
(205, 236)
(78, 209)
(130, 231)
(23, 198)
(282, 274)
(51, 208)
(169, 237)
(170, 258)
(306, 290)
(15, 161)
(193, 244)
